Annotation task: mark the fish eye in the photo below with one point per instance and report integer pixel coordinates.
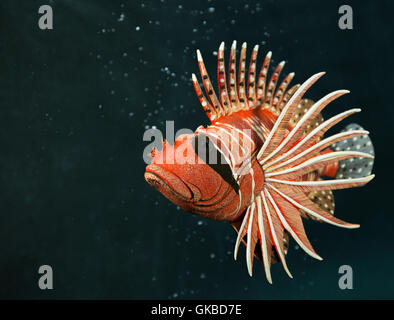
(208, 152)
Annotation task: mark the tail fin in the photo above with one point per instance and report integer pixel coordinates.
(355, 167)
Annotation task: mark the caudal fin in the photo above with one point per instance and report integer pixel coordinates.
(355, 167)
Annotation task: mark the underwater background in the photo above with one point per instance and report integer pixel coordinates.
(75, 102)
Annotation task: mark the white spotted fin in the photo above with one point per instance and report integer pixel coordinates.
(324, 199)
(355, 167)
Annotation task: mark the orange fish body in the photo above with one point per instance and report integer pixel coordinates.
(271, 164)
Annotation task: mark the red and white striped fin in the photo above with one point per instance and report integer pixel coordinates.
(209, 87)
(289, 93)
(249, 227)
(291, 220)
(251, 238)
(324, 184)
(240, 92)
(261, 222)
(302, 124)
(311, 137)
(261, 84)
(252, 78)
(299, 199)
(223, 94)
(242, 78)
(279, 130)
(315, 163)
(276, 231)
(208, 107)
(280, 93)
(232, 69)
(242, 231)
(315, 149)
(265, 239)
(272, 85)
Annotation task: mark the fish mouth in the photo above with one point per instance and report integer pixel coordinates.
(168, 183)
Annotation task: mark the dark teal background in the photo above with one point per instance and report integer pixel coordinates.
(75, 102)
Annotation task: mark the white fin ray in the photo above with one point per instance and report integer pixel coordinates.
(304, 203)
(274, 235)
(252, 78)
(251, 242)
(280, 93)
(317, 162)
(261, 84)
(313, 136)
(241, 92)
(317, 148)
(208, 107)
(299, 128)
(272, 84)
(265, 241)
(241, 232)
(281, 123)
(223, 93)
(325, 184)
(296, 223)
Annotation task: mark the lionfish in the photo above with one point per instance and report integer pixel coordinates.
(277, 166)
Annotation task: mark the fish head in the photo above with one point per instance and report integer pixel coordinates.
(181, 175)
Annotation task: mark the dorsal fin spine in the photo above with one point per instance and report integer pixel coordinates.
(247, 93)
(208, 85)
(232, 70)
(272, 84)
(222, 81)
(241, 78)
(208, 108)
(280, 93)
(252, 78)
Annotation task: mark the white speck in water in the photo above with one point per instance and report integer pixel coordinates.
(137, 28)
(211, 10)
(121, 17)
(202, 276)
